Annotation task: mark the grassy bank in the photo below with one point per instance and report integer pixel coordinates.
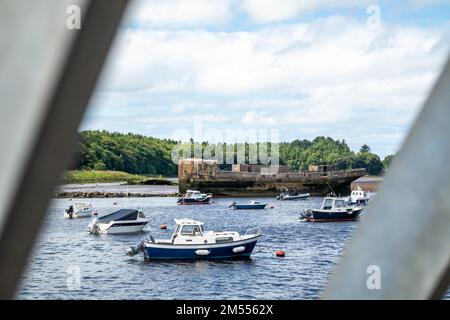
(102, 176)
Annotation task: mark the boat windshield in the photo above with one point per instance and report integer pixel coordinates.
(82, 206)
(327, 204)
(194, 194)
(339, 203)
(191, 230)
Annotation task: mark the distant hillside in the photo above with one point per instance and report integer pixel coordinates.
(137, 154)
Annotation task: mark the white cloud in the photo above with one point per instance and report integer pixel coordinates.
(176, 13)
(333, 53)
(332, 77)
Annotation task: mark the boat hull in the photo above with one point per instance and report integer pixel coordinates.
(331, 216)
(184, 201)
(249, 206)
(233, 250)
(120, 227)
(293, 198)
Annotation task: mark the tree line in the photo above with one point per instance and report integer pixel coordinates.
(138, 154)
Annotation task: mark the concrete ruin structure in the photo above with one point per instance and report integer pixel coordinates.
(261, 180)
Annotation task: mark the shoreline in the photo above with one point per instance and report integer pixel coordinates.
(100, 194)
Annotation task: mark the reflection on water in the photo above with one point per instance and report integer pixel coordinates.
(108, 273)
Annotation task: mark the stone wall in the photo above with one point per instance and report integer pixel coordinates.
(205, 176)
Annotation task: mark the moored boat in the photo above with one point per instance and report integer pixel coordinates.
(78, 210)
(285, 195)
(191, 242)
(194, 197)
(332, 210)
(252, 204)
(121, 221)
(359, 197)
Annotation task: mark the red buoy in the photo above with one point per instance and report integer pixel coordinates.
(280, 253)
(163, 227)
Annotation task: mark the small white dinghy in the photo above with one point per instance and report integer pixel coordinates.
(121, 221)
(78, 210)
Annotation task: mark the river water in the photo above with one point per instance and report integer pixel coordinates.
(65, 252)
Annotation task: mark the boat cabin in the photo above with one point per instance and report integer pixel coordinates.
(359, 194)
(188, 227)
(330, 203)
(359, 197)
(193, 194)
(189, 231)
(82, 206)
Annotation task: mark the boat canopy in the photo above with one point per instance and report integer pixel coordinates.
(331, 203)
(82, 205)
(188, 221)
(121, 215)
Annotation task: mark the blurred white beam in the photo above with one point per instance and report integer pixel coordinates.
(48, 73)
(406, 231)
(34, 42)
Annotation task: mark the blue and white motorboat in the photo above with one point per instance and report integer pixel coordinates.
(191, 242)
(118, 222)
(332, 210)
(194, 197)
(252, 204)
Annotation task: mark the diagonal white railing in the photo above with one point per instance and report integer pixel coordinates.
(405, 239)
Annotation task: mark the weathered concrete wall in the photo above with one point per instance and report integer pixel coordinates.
(207, 177)
(258, 168)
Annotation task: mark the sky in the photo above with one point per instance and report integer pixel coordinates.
(352, 69)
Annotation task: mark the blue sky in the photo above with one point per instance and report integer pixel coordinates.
(303, 68)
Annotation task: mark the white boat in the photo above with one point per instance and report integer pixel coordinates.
(359, 197)
(191, 242)
(194, 197)
(121, 221)
(78, 210)
(333, 209)
(252, 204)
(285, 195)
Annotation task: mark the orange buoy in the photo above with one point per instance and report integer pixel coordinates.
(280, 253)
(163, 227)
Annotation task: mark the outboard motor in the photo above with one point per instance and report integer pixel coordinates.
(93, 226)
(132, 251)
(305, 215)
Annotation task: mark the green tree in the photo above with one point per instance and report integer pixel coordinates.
(364, 149)
(139, 154)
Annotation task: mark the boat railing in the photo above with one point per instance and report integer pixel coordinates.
(253, 231)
